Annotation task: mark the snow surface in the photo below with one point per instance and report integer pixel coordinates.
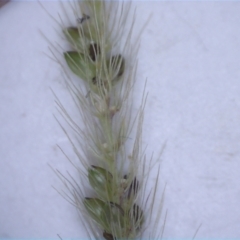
(190, 54)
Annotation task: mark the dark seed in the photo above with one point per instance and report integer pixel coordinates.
(134, 186)
(108, 236)
(94, 80)
(136, 215)
(94, 50)
(81, 20)
(137, 212)
(97, 81)
(121, 70)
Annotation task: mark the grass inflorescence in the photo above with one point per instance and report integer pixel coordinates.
(103, 55)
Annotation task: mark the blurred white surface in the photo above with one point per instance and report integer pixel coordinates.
(190, 53)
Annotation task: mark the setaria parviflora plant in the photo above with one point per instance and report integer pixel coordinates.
(103, 55)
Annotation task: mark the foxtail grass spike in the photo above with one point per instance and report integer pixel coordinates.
(102, 56)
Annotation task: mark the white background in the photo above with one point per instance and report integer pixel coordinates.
(190, 53)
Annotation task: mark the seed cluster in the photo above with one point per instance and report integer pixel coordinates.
(91, 58)
(122, 215)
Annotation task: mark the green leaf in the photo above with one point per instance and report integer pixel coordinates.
(108, 236)
(72, 34)
(77, 39)
(101, 181)
(80, 65)
(97, 210)
(109, 215)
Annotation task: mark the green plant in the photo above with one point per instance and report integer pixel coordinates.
(103, 55)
